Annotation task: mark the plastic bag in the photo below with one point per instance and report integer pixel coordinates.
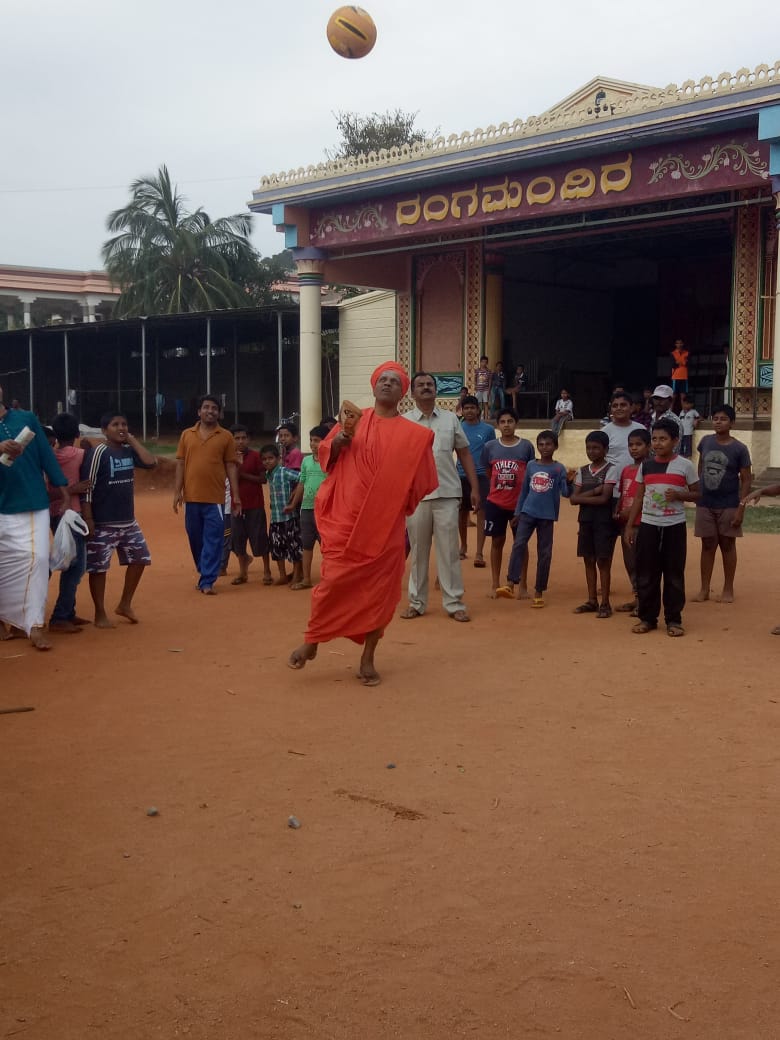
(63, 548)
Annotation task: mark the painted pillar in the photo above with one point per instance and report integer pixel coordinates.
(774, 439)
(494, 307)
(746, 306)
(310, 266)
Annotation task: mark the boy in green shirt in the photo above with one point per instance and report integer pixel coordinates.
(303, 496)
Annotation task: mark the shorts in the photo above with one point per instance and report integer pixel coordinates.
(483, 396)
(309, 532)
(250, 528)
(285, 538)
(715, 523)
(465, 490)
(596, 538)
(127, 539)
(680, 386)
(496, 519)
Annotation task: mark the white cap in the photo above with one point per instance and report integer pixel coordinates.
(663, 391)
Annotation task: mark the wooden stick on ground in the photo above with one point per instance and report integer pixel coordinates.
(14, 711)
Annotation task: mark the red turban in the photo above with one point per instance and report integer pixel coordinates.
(391, 366)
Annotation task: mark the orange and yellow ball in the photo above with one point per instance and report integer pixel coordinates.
(351, 32)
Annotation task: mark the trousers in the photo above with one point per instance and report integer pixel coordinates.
(204, 523)
(526, 525)
(660, 556)
(435, 521)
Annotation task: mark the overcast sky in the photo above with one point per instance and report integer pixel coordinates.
(96, 93)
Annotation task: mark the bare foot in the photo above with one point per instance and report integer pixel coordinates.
(38, 639)
(522, 592)
(283, 581)
(701, 596)
(127, 612)
(12, 633)
(80, 620)
(209, 590)
(301, 654)
(368, 676)
(492, 594)
(727, 596)
(103, 621)
(64, 626)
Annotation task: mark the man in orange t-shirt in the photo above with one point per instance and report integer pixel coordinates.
(680, 368)
(376, 478)
(205, 458)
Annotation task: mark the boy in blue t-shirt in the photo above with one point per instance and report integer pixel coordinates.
(537, 510)
(478, 434)
(108, 508)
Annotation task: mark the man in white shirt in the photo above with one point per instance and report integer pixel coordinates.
(618, 430)
(436, 517)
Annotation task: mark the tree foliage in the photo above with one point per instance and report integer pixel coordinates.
(362, 134)
(167, 260)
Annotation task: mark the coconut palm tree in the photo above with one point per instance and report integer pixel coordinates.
(167, 260)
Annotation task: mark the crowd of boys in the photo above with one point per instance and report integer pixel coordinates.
(634, 487)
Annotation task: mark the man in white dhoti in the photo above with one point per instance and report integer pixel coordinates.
(24, 525)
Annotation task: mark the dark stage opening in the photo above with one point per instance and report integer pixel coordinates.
(589, 312)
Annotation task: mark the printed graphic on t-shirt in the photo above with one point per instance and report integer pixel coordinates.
(504, 475)
(541, 482)
(713, 468)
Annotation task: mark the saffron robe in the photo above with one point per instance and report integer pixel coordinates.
(376, 481)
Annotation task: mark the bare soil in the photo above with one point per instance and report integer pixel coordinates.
(538, 825)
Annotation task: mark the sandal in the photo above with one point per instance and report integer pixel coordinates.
(675, 631)
(626, 608)
(604, 611)
(267, 579)
(410, 613)
(537, 602)
(504, 592)
(642, 628)
(479, 562)
(589, 607)
(460, 615)
(240, 580)
(462, 554)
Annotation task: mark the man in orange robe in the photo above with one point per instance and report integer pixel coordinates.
(375, 480)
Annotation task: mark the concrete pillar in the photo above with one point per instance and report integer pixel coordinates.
(27, 300)
(494, 307)
(310, 265)
(774, 439)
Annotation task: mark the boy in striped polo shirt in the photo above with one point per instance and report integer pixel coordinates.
(664, 484)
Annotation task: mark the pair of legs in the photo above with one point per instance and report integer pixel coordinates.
(518, 559)
(367, 672)
(660, 557)
(249, 531)
(133, 554)
(717, 530)
(629, 562)
(496, 522)
(309, 538)
(728, 552)
(435, 522)
(24, 575)
(465, 513)
(598, 571)
(97, 587)
(285, 539)
(558, 423)
(64, 617)
(204, 523)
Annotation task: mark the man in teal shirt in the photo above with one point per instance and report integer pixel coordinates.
(24, 524)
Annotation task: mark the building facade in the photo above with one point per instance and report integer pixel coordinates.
(35, 296)
(581, 243)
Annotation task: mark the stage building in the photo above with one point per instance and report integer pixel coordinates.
(580, 243)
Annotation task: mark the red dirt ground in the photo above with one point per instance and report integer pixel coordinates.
(579, 837)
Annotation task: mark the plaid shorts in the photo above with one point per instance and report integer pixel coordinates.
(127, 539)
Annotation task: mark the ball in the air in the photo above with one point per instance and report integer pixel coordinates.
(351, 32)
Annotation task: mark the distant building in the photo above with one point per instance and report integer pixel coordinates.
(31, 297)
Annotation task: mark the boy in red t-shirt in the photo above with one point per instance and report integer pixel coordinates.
(504, 459)
(250, 526)
(638, 449)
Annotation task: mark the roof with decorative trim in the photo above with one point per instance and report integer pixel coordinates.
(584, 122)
